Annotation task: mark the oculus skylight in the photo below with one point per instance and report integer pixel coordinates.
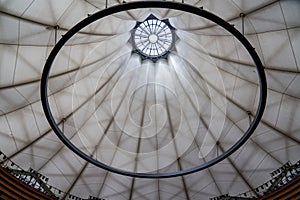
(153, 38)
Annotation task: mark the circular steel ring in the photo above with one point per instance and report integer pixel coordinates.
(154, 4)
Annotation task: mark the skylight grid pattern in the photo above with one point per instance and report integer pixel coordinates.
(153, 38)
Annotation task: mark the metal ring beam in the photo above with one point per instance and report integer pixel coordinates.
(154, 4)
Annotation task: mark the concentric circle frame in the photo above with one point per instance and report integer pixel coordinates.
(154, 4)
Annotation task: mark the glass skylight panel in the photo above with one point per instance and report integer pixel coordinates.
(153, 38)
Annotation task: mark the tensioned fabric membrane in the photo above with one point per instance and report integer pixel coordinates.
(144, 115)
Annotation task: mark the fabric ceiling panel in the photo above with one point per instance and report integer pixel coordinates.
(28, 91)
(7, 141)
(90, 181)
(218, 8)
(273, 106)
(48, 12)
(267, 19)
(14, 6)
(33, 34)
(226, 176)
(195, 186)
(262, 172)
(29, 63)
(292, 89)
(289, 116)
(210, 189)
(295, 43)
(290, 10)
(173, 186)
(37, 155)
(74, 13)
(289, 153)
(142, 187)
(116, 186)
(275, 142)
(67, 160)
(194, 22)
(111, 25)
(252, 5)
(11, 100)
(246, 102)
(23, 126)
(281, 55)
(39, 150)
(31, 161)
(9, 29)
(150, 115)
(7, 61)
(279, 81)
(56, 177)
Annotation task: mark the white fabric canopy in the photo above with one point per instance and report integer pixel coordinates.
(142, 116)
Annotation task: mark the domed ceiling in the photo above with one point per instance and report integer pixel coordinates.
(150, 91)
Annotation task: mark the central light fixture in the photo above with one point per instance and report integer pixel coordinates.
(153, 38)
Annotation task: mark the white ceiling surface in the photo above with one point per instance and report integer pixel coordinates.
(100, 58)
